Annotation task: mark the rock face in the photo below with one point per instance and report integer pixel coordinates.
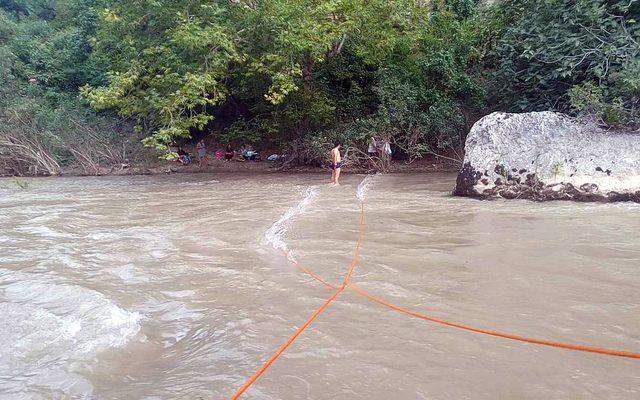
(549, 156)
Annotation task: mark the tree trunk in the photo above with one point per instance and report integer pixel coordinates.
(307, 75)
(308, 86)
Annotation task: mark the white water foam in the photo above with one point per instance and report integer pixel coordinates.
(276, 233)
(49, 327)
(365, 186)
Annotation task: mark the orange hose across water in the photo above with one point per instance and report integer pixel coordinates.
(284, 347)
(346, 284)
(316, 313)
(457, 325)
(309, 272)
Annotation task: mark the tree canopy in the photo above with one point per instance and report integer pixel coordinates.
(301, 73)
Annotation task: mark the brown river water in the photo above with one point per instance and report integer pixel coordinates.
(174, 287)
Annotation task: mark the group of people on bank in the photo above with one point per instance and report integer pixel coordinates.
(377, 148)
(246, 153)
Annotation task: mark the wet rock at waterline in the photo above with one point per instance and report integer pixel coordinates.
(549, 156)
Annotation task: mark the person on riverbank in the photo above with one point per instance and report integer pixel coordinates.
(183, 157)
(249, 154)
(386, 149)
(202, 153)
(373, 147)
(336, 164)
(228, 154)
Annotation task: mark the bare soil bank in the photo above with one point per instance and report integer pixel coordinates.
(426, 164)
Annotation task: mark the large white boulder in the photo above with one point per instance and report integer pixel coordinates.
(549, 156)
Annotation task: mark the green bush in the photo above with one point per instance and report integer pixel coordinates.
(559, 54)
(302, 74)
(44, 125)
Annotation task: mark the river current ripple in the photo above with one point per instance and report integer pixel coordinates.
(169, 287)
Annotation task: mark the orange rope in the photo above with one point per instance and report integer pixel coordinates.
(569, 346)
(457, 325)
(317, 312)
(356, 253)
(282, 348)
(346, 284)
(308, 271)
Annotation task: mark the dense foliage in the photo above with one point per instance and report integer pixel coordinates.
(45, 56)
(300, 74)
(570, 55)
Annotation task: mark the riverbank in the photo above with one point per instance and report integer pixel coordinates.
(427, 164)
(424, 165)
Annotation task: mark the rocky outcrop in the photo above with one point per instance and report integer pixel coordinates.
(549, 156)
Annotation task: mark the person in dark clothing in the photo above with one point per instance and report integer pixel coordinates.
(228, 154)
(183, 157)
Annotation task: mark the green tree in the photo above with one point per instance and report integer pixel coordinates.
(44, 59)
(167, 62)
(546, 47)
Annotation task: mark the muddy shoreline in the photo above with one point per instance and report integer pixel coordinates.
(425, 165)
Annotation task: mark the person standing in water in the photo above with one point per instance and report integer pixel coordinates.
(336, 164)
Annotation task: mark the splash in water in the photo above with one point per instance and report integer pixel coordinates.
(276, 233)
(365, 186)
